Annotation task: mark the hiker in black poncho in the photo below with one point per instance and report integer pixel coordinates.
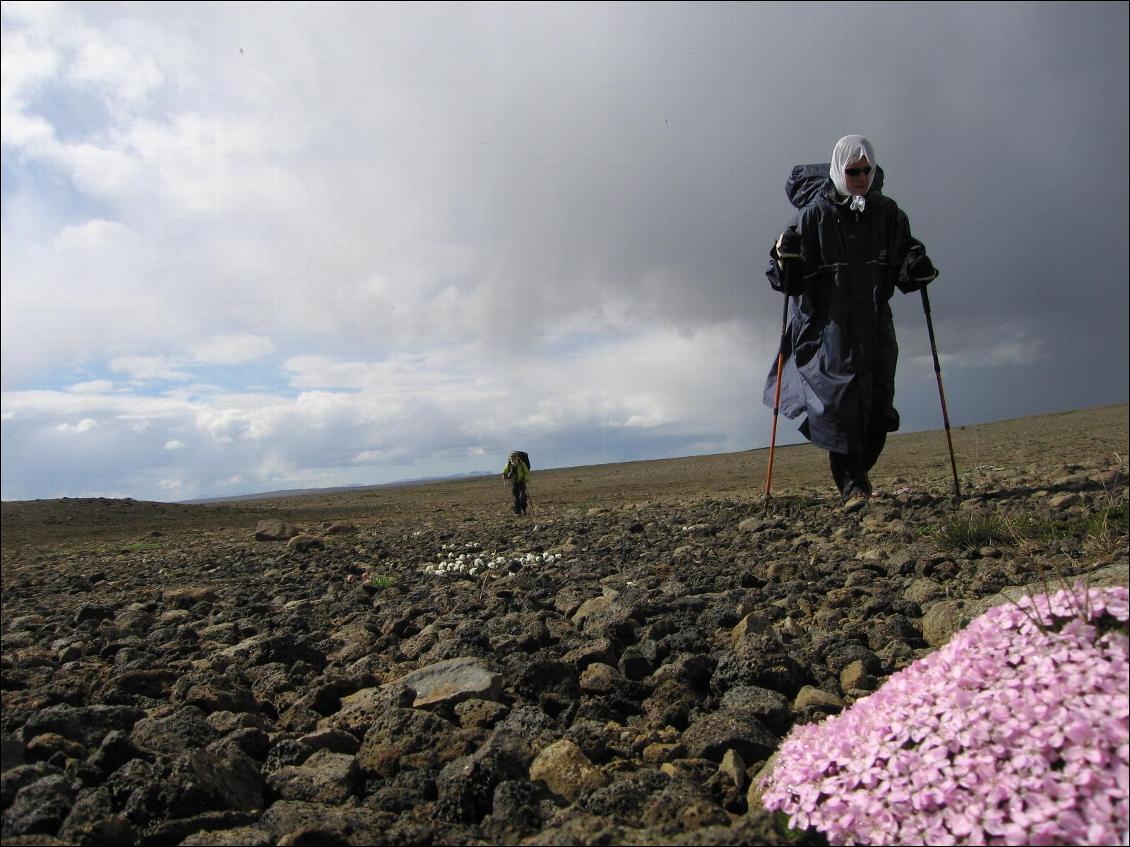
(839, 264)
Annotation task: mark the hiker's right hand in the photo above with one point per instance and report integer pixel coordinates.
(788, 245)
(789, 266)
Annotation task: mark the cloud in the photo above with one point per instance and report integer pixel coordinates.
(92, 386)
(381, 457)
(92, 235)
(400, 418)
(27, 63)
(85, 425)
(121, 75)
(234, 349)
(147, 368)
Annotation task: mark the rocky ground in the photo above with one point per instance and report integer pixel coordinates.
(425, 668)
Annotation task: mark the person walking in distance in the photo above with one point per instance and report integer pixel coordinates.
(517, 470)
(839, 263)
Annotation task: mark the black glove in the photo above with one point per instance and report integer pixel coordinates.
(790, 268)
(788, 245)
(922, 270)
(918, 272)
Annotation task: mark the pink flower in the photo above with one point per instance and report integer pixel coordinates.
(1012, 733)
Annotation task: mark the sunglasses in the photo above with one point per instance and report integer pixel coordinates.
(857, 171)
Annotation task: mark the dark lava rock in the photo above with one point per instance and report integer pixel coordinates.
(406, 738)
(85, 724)
(39, 807)
(116, 749)
(712, 735)
(92, 820)
(761, 661)
(212, 780)
(519, 808)
(184, 729)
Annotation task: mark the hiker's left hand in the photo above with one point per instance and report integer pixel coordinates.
(918, 272)
(922, 270)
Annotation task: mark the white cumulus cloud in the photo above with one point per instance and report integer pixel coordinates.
(85, 425)
(147, 368)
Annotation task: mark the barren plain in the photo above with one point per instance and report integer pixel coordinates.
(415, 665)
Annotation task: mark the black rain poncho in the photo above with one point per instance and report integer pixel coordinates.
(840, 348)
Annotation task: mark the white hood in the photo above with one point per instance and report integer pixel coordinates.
(851, 148)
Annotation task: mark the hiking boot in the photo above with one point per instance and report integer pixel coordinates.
(855, 500)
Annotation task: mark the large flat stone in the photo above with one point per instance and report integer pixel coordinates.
(452, 681)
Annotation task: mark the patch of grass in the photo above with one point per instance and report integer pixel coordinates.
(1033, 531)
(1101, 532)
(965, 531)
(1102, 529)
(1107, 530)
(138, 546)
(379, 581)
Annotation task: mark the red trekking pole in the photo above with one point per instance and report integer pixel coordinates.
(790, 240)
(777, 394)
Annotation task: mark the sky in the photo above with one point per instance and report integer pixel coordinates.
(259, 246)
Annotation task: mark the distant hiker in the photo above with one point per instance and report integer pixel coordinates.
(517, 470)
(839, 264)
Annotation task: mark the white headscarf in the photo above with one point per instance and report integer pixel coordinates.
(852, 148)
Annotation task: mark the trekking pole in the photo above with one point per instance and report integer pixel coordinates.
(941, 391)
(777, 393)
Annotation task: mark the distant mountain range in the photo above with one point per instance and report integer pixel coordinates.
(297, 492)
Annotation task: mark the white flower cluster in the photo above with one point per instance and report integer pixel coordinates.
(471, 564)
